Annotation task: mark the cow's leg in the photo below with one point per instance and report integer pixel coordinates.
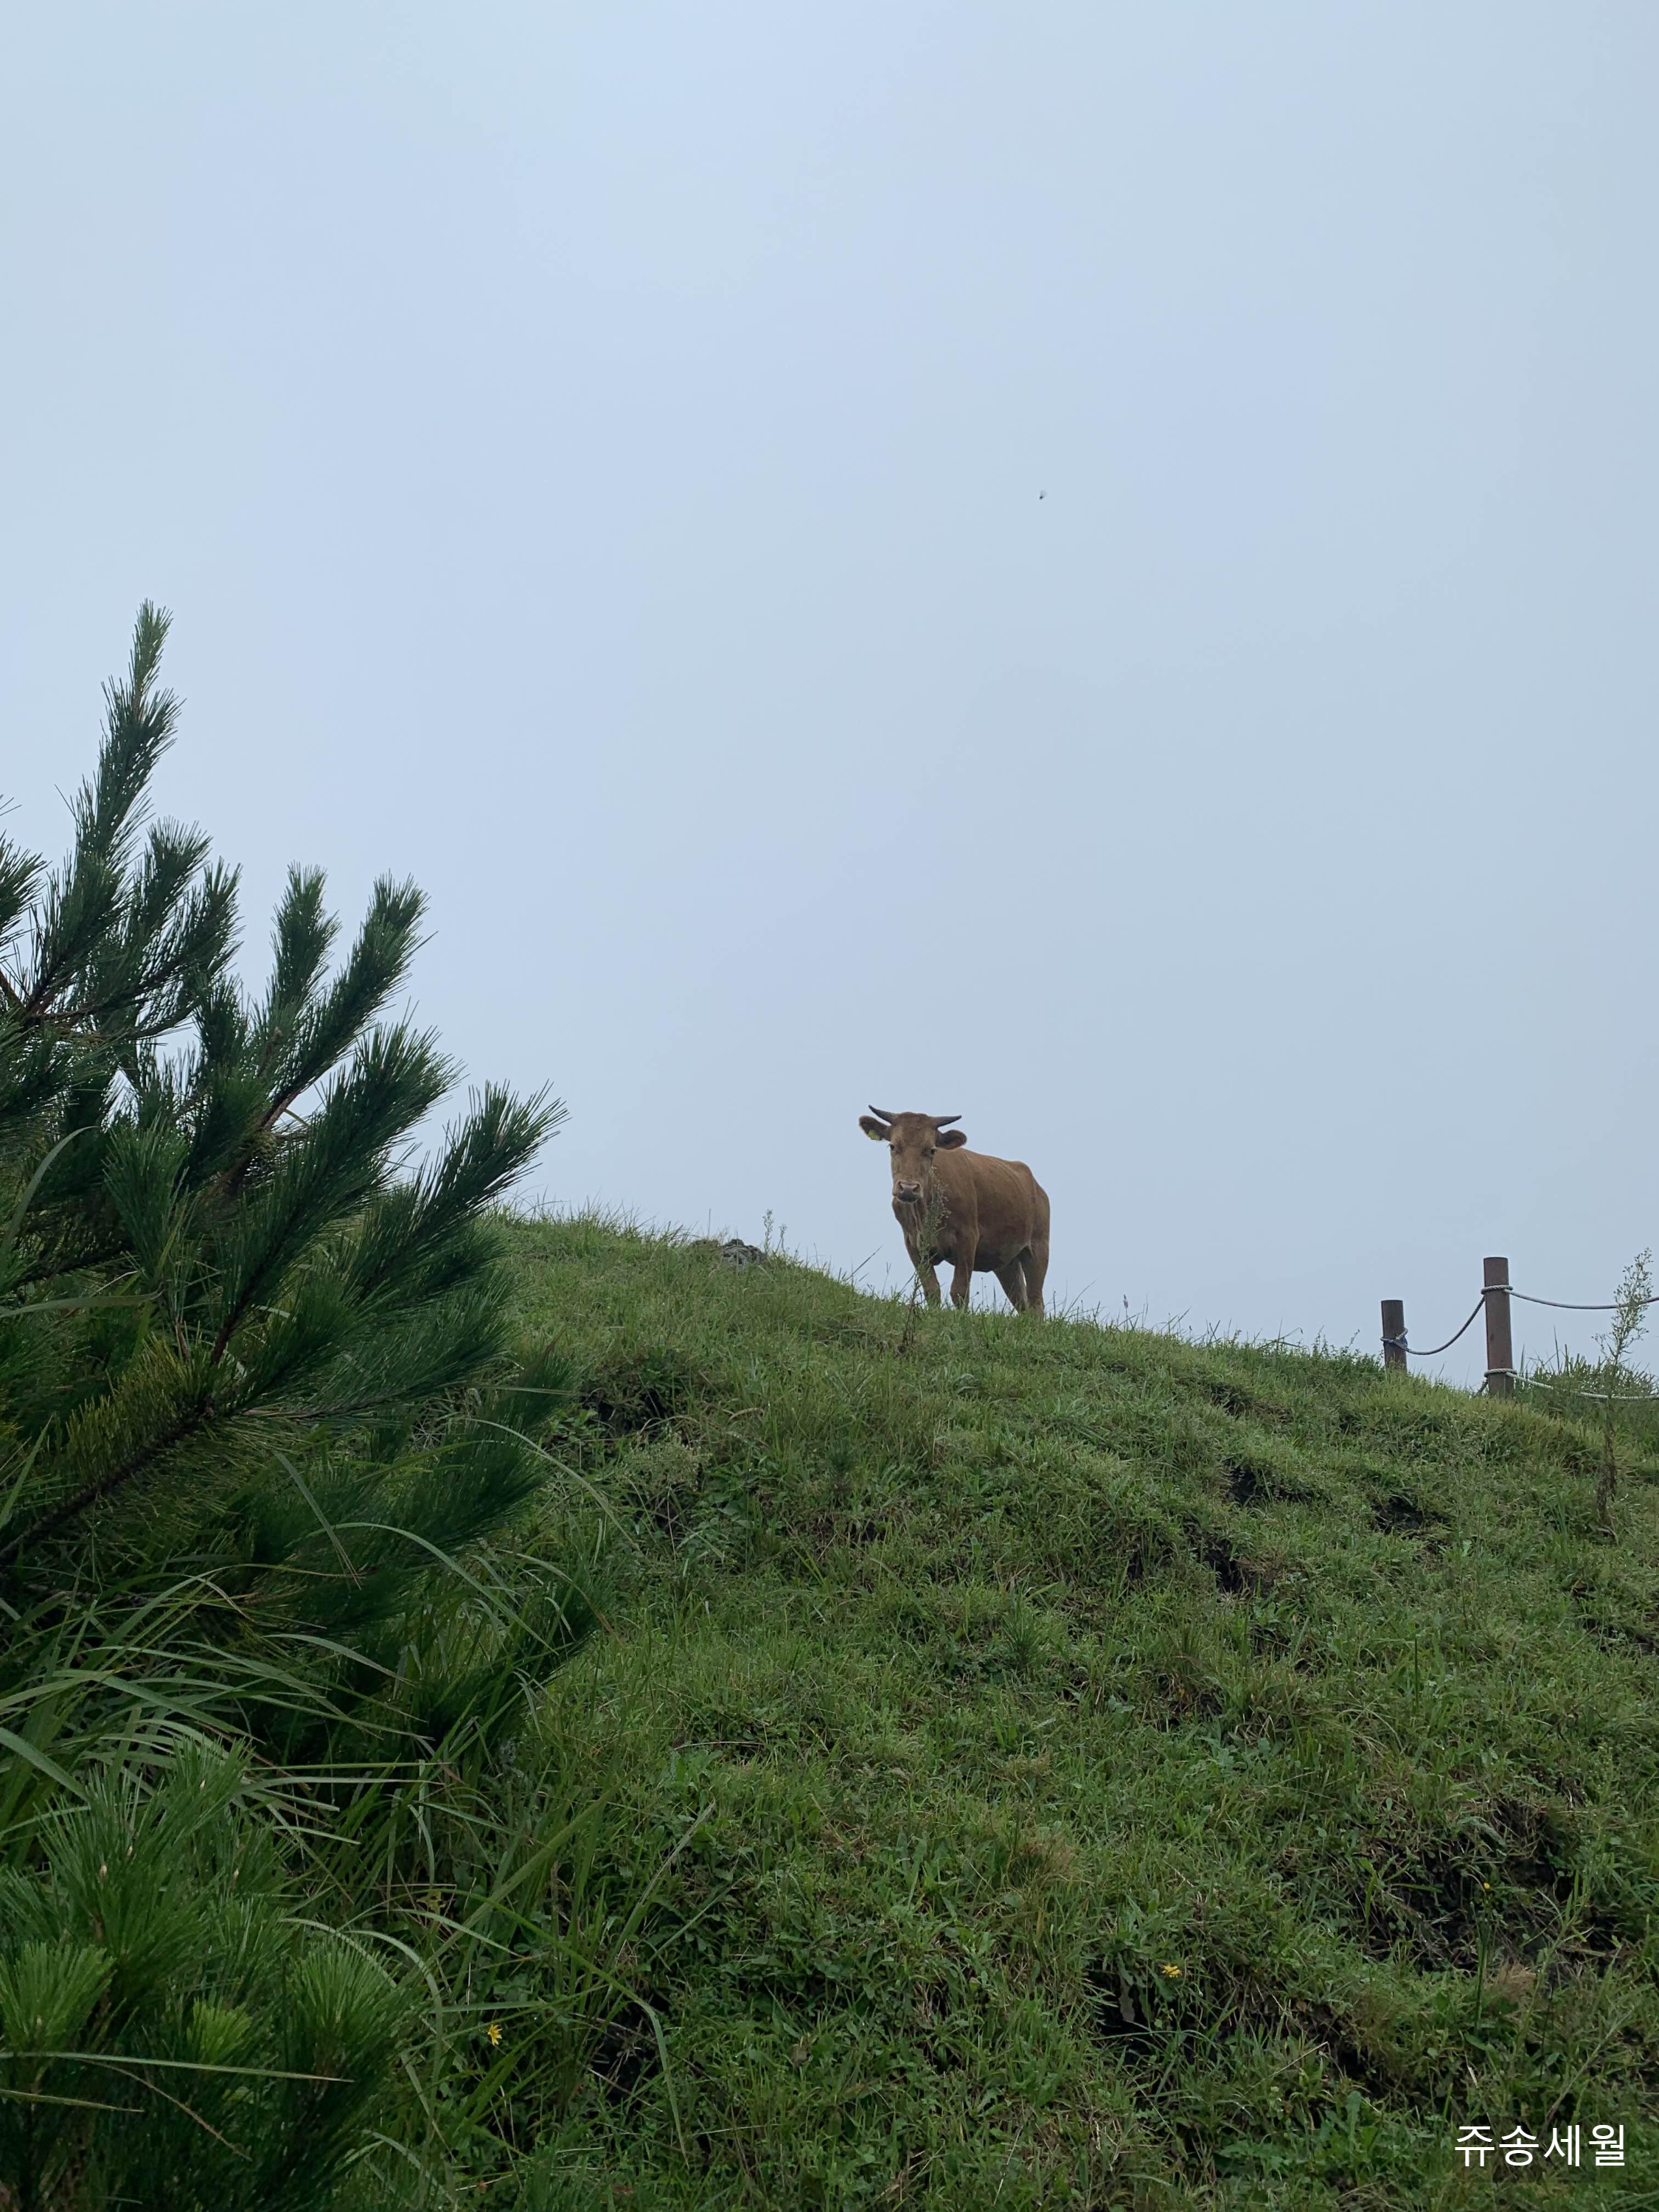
(1035, 1261)
(1012, 1280)
(961, 1282)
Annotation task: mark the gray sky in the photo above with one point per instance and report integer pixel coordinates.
(593, 456)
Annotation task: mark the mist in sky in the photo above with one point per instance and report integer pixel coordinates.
(1087, 567)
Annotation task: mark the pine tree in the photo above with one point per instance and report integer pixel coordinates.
(280, 1278)
(256, 1395)
(247, 1269)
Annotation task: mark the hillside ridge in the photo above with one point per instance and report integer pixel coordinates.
(1078, 1765)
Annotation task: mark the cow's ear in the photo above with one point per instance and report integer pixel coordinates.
(877, 1132)
(948, 1140)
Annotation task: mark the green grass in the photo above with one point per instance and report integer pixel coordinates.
(1083, 1767)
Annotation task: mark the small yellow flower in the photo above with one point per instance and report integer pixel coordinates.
(493, 2032)
(1174, 1973)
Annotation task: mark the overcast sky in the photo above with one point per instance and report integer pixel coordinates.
(1087, 567)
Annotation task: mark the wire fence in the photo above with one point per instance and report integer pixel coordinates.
(1494, 1301)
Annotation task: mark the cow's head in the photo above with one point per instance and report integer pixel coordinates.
(912, 1139)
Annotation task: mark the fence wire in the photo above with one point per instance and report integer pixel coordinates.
(1439, 1348)
(1558, 1305)
(1607, 1397)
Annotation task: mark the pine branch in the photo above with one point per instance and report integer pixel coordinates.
(376, 966)
(133, 952)
(139, 725)
(395, 1077)
(407, 1235)
(19, 877)
(189, 1423)
(301, 940)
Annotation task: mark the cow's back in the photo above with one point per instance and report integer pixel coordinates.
(1008, 1203)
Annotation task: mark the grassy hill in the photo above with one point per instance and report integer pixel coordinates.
(1064, 1766)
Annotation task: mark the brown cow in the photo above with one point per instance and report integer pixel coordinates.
(987, 1217)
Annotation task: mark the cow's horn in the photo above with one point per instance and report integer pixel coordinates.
(879, 1115)
(943, 1120)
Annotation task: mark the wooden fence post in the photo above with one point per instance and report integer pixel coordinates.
(1393, 1334)
(1500, 1349)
